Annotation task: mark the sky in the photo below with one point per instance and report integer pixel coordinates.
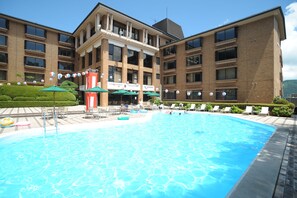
(194, 16)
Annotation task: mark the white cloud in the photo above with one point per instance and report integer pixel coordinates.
(225, 22)
(289, 46)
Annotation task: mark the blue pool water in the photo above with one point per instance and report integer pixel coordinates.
(188, 155)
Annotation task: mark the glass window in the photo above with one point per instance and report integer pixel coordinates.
(135, 34)
(90, 55)
(132, 57)
(170, 65)
(3, 40)
(65, 52)
(119, 28)
(194, 60)
(114, 74)
(115, 53)
(83, 62)
(3, 75)
(226, 74)
(169, 50)
(37, 62)
(3, 23)
(157, 76)
(147, 78)
(66, 39)
(30, 77)
(194, 77)
(196, 43)
(93, 31)
(35, 31)
(158, 60)
(3, 57)
(226, 34)
(150, 40)
(98, 54)
(30, 45)
(65, 66)
(169, 95)
(132, 76)
(231, 94)
(169, 79)
(194, 95)
(148, 61)
(225, 54)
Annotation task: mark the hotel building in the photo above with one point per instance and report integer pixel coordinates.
(238, 62)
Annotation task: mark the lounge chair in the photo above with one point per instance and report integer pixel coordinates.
(202, 107)
(216, 108)
(192, 107)
(62, 112)
(226, 110)
(248, 110)
(47, 113)
(172, 106)
(264, 111)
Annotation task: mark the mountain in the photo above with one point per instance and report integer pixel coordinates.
(289, 87)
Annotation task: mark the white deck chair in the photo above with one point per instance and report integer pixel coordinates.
(248, 110)
(202, 107)
(226, 110)
(172, 106)
(264, 111)
(216, 108)
(192, 107)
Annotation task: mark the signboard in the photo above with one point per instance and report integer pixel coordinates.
(148, 87)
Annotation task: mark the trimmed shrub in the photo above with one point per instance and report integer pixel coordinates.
(43, 98)
(256, 109)
(5, 98)
(23, 98)
(235, 109)
(279, 100)
(284, 111)
(8, 104)
(208, 107)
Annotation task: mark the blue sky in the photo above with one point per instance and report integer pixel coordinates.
(194, 16)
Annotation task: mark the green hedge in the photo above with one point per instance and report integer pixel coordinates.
(23, 98)
(5, 98)
(10, 104)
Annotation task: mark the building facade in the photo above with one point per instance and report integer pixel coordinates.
(237, 62)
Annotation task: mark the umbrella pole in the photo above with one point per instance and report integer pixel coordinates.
(55, 116)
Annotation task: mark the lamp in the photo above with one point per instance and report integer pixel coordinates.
(210, 93)
(224, 93)
(189, 93)
(199, 93)
(166, 90)
(177, 91)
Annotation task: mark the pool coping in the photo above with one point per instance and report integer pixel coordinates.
(260, 179)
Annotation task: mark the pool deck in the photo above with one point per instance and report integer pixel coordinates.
(272, 174)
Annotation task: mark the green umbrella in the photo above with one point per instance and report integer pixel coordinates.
(131, 93)
(120, 92)
(54, 89)
(96, 89)
(148, 92)
(153, 94)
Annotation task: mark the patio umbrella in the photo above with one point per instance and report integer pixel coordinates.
(120, 92)
(153, 94)
(131, 93)
(54, 89)
(147, 93)
(96, 89)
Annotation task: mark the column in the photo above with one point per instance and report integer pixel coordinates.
(81, 37)
(127, 30)
(157, 41)
(140, 75)
(76, 42)
(97, 22)
(104, 70)
(107, 22)
(88, 31)
(130, 31)
(111, 23)
(125, 64)
(154, 71)
(143, 35)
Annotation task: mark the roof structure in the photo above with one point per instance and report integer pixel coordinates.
(170, 27)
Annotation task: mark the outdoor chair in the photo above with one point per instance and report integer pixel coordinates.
(202, 107)
(248, 110)
(264, 111)
(62, 112)
(216, 108)
(226, 110)
(192, 107)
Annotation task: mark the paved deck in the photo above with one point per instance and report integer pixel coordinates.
(280, 154)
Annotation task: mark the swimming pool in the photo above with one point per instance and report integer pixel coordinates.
(188, 155)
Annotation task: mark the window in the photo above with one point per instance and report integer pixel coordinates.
(169, 79)
(3, 57)
(35, 31)
(169, 50)
(119, 28)
(37, 62)
(3, 40)
(158, 60)
(90, 55)
(147, 61)
(98, 54)
(3, 23)
(65, 66)
(226, 34)
(66, 39)
(194, 60)
(150, 40)
(30, 77)
(83, 62)
(114, 74)
(194, 77)
(169, 65)
(157, 76)
(231, 94)
(132, 76)
(169, 95)
(225, 54)
(132, 57)
(65, 52)
(93, 31)
(226, 74)
(147, 78)
(30, 45)
(115, 53)
(196, 43)
(135, 34)
(3, 75)
(194, 95)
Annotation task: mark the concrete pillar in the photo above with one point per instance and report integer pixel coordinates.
(154, 71)
(111, 23)
(127, 30)
(104, 70)
(143, 35)
(107, 22)
(81, 37)
(157, 41)
(88, 31)
(125, 64)
(140, 75)
(97, 23)
(76, 42)
(130, 31)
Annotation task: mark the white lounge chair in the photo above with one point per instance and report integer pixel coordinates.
(226, 110)
(202, 107)
(248, 110)
(216, 108)
(172, 106)
(264, 111)
(192, 107)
